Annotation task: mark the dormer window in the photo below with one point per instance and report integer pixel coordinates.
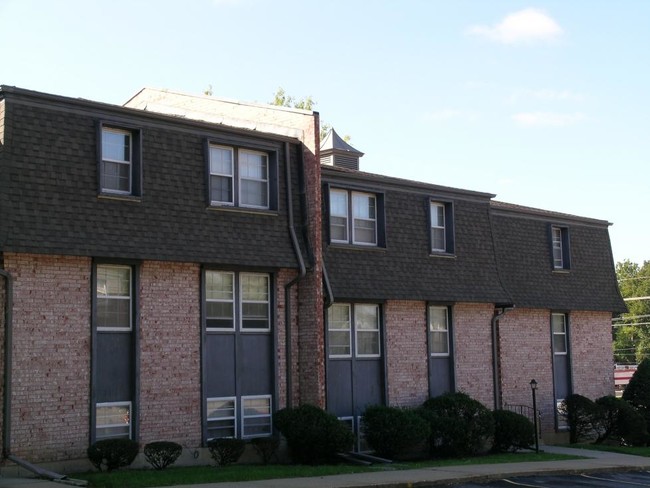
(560, 247)
(441, 228)
(355, 217)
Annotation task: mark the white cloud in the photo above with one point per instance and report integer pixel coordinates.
(452, 114)
(548, 119)
(528, 25)
(546, 96)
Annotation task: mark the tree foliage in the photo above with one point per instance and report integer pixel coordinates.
(632, 330)
(282, 99)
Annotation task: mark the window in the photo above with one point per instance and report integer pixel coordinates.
(558, 324)
(255, 301)
(119, 167)
(560, 247)
(439, 331)
(339, 216)
(222, 417)
(249, 306)
(339, 330)
(366, 324)
(220, 300)
(239, 177)
(442, 236)
(340, 320)
(355, 217)
(114, 298)
(113, 420)
(256, 416)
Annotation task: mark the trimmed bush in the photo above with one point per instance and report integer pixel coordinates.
(226, 450)
(391, 432)
(637, 392)
(617, 421)
(512, 431)
(313, 435)
(579, 413)
(266, 447)
(460, 425)
(112, 453)
(162, 454)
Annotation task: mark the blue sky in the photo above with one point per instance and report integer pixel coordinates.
(544, 103)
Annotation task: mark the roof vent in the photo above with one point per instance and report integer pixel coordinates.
(334, 151)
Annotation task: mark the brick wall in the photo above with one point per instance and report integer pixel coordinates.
(406, 353)
(591, 353)
(473, 350)
(284, 277)
(170, 356)
(525, 345)
(312, 340)
(3, 291)
(51, 356)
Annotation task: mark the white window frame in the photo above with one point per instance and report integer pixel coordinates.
(434, 213)
(431, 331)
(376, 331)
(262, 180)
(231, 175)
(216, 300)
(348, 330)
(564, 333)
(109, 426)
(244, 416)
(117, 297)
(557, 238)
(241, 301)
(346, 216)
(364, 219)
(232, 417)
(128, 163)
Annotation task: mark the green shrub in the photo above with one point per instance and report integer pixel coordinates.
(579, 413)
(512, 431)
(392, 432)
(162, 454)
(266, 447)
(313, 435)
(460, 425)
(617, 421)
(112, 453)
(226, 450)
(637, 392)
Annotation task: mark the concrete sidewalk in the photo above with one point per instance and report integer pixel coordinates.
(596, 461)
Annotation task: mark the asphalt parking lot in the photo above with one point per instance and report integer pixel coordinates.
(602, 480)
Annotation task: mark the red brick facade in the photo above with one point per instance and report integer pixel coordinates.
(51, 356)
(473, 350)
(591, 353)
(406, 353)
(170, 353)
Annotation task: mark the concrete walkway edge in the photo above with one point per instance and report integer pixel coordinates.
(436, 476)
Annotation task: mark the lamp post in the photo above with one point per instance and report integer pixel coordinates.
(533, 387)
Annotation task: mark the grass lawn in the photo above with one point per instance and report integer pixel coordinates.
(142, 478)
(635, 451)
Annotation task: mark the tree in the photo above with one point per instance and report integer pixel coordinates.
(281, 99)
(632, 330)
(637, 392)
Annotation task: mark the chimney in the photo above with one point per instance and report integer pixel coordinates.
(334, 151)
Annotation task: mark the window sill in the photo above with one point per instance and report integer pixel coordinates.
(560, 271)
(117, 196)
(243, 210)
(356, 247)
(447, 255)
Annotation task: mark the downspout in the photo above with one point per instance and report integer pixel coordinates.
(301, 274)
(495, 355)
(8, 346)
